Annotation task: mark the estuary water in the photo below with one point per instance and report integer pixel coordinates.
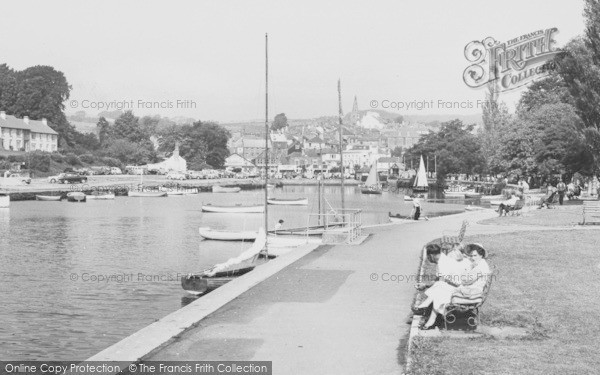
(76, 278)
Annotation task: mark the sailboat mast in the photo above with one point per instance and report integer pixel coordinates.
(341, 143)
(266, 133)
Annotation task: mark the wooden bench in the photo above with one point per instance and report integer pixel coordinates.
(468, 306)
(516, 209)
(453, 240)
(591, 212)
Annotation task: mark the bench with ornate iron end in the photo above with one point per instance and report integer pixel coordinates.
(468, 306)
(591, 212)
(453, 240)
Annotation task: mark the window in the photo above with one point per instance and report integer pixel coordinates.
(32, 135)
(33, 146)
(18, 132)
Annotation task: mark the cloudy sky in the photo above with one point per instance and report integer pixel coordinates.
(211, 53)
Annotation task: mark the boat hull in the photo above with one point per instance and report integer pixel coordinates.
(76, 197)
(100, 197)
(370, 191)
(454, 194)
(288, 202)
(221, 189)
(224, 235)
(48, 198)
(148, 194)
(234, 209)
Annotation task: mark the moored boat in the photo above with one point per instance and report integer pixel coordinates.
(226, 189)
(222, 273)
(472, 194)
(48, 198)
(372, 185)
(76, 196)
(4, 201)
(238, 209)
(421, 183)
(227, 235)
(147, 194)
(288, 202)
(100, 196)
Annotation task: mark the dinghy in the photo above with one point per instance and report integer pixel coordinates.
(48, 198)
(227, 235)
(288, 202)
(236, 209)
(225, 189)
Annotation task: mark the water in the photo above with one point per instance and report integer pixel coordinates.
(76, 278)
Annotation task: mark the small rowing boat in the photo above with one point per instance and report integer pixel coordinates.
(97, 197)
(227, 235)
(48, 198)
(236, 209)
(226, 189)
(288, 202)
(147, 194)
(76, 196)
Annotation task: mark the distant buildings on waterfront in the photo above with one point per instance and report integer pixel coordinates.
(314, 145)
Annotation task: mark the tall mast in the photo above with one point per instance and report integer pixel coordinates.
(266, 134)
(341, 142)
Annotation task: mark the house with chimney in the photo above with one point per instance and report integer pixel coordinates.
(23, 134)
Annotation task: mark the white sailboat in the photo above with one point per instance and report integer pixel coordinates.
(421, 183)
(372, 185)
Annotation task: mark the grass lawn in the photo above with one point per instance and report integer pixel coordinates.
(547, 282)
(568, 215)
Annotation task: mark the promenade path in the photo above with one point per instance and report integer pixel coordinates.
(334, 311)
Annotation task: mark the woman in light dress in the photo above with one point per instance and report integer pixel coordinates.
(470, 284)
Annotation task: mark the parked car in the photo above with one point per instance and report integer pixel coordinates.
(71, 178)
(54, 179)
(175, 176)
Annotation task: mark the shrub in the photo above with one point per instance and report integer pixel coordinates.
(87, 158)
(40, 161)
(111, 162)
(16, 158)
(72, 159)
(55, 156)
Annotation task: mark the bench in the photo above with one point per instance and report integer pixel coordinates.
(468, 306)
(591, 212)
(454, 240)
(516, 209)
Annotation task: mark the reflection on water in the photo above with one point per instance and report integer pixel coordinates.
(77, 278)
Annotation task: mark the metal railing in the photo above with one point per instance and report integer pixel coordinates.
(350, 220)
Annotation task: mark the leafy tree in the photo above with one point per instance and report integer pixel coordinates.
(279, 122)
(127, 127)
(397, 151)
(456, 148)
(104, 130)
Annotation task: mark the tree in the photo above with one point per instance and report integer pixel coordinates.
(455, 147)
(104, 130)
(127, 127)
(279, 122)
(397, 151)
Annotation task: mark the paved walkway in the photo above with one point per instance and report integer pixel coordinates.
(337, 310)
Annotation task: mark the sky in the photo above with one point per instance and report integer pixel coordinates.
(206, 59)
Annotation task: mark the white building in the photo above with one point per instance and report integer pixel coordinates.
(26, 135)
(175, 163)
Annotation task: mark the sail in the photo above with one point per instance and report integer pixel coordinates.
(373, 179)
(421, 180)
(259, 244)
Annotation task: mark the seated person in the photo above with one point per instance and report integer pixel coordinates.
(548, 200)
(470, 285)
(508, 204)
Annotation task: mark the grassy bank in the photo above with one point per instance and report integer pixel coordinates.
(547, 283)
(568, 215)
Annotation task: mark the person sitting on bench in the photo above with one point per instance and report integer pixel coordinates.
(470, 285)
(548, 200)
(508, 204)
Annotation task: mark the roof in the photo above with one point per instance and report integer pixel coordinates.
(254, 142)
(35, 126)
(389, 160)
(277, 137)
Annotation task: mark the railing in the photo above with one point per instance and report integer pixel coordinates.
(349, 220)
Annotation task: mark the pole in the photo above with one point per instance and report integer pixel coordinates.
(341, 142)
(266, 135)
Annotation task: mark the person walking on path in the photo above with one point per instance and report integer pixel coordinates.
(416, 211)
(561, 188)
